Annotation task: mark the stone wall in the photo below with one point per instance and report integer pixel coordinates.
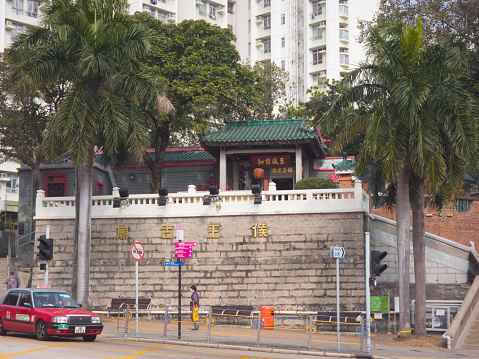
(287, 265)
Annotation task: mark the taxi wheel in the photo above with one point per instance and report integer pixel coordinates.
(2, 330)
(89, 338)
(41, 330)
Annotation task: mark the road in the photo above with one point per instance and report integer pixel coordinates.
(19, 346)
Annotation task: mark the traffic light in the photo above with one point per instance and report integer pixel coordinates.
(376, 267)
(45, 249)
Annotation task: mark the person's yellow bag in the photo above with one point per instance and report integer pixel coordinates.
(195, 314)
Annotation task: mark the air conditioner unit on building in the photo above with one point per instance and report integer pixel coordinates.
(171, 18)
(9, 25)
(259, 43)
(43, 6)
(221, 10)
(199, 2)
(146, 9)
(4, 175)
(259, 19)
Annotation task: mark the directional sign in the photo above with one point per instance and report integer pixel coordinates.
(137, 251)
(338, 252)
(185, 244)
(184, 253)
(173, 264)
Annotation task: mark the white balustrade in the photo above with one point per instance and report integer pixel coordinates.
(190, 204)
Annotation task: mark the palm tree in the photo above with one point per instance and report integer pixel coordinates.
(93, 45)
(419, 129)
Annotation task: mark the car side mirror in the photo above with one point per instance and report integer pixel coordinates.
(80, 305)
(27, 305)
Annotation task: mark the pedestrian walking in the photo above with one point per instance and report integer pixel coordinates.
(12, 281)
(194, 306)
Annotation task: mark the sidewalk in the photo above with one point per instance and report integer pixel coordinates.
(280, 340)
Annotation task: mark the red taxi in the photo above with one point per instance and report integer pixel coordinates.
(45, 313)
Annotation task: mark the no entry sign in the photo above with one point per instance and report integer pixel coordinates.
(137, 251)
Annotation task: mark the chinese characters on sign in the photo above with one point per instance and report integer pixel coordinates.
(270, 161)
(260, 230)
(122, 232)
(282, 170)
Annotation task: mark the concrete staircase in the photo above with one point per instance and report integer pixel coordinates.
(471, 342)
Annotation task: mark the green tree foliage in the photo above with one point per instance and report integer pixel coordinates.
(197, 68)
(417, 117)
(315, 183)
(93, 46)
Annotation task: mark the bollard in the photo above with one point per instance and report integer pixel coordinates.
(165, 327)
(310, 330)
(361, 334)
(209, 325)
(259, 327)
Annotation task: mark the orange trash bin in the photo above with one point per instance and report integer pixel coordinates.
(267, 316)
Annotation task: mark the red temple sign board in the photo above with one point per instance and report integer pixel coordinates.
(270, 161)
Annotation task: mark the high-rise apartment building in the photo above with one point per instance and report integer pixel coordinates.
(311, 39)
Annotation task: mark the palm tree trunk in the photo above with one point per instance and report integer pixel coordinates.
(404, 249)
(83, 196)
(419, 249)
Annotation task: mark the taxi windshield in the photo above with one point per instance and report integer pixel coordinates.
(53, 300)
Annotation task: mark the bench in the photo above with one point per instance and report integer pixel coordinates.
(119, 305)
(231, 311)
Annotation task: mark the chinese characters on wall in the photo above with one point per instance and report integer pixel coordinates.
(212, 231)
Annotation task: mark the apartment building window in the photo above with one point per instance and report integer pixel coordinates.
(12, 184)
(202, 8)
(266, 3)
(317, 8)
(230, 8)
(283, 42)
(213, 9)
(283, 65)
(267, 22)
(32, 8)
(317, 32)
(343, 10)
(55, 184)
(153, 2)
(18, 29)
(267, 45)
(318, 56)
(343, 59)
(319, 77)
(343, 34)
(162, 16)
(283, 19)
(17, 6)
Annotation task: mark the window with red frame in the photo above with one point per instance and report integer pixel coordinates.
(98, 188)
(55, 184)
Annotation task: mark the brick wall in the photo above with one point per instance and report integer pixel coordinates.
(291, 268)
(460, 227)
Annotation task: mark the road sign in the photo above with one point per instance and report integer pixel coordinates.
(180, 233)
(338, 252)
(137, 251)
(184, 253)
(185, 244)
(173, 264)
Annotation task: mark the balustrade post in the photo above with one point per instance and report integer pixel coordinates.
(191, 189)
(39, 203)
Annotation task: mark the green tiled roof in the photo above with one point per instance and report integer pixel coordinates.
(186, 156)
(345, 164)
(259, 132)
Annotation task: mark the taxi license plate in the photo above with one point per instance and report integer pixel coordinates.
(79, 330)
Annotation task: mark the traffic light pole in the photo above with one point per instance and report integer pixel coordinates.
(368, 295)
(47, 235)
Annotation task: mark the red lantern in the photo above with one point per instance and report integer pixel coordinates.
(258, 173)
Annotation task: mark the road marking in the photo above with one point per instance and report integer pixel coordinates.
(6, 356)
(134, 355)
